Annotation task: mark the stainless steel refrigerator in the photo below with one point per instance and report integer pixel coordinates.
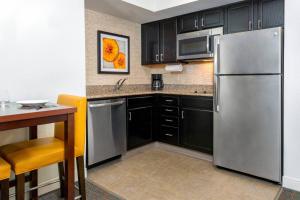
(248, 102)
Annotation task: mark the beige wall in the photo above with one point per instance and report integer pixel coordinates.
(192, 74)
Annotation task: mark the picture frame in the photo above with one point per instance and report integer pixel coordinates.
(113, 53)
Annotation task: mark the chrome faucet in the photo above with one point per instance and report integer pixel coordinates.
(119, 84)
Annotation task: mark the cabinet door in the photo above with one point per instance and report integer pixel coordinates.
(239, 17)
(139, 127)
(188, 23)
(270, 13)
(168, 33)
(150, 43)
(197, 130)
(212, 18)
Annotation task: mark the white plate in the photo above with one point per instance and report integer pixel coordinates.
(33, 103)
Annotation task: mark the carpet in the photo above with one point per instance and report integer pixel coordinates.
(287, 194)
(93, 192)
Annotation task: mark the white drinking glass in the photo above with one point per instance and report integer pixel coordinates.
(4, 97)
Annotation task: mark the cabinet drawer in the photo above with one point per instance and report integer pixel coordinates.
(169, 100)
(141, 101)
(169, 111)
(169, 121)
(169, 135)
(204, 103)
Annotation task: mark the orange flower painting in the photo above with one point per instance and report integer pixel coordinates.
(113, 53)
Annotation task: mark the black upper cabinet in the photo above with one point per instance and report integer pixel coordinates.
(168, 40)
(270, 13)
(150, 43)
(201, 20)
(253, 15)
(239, 17)
(159, 42)
(188, 23)
(212, 18)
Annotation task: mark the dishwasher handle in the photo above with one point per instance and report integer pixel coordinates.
(100, 105)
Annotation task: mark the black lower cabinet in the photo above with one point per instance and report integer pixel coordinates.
(197, 130)
(139, 127)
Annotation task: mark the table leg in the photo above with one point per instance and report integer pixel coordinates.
(33, 174)
(69, 157)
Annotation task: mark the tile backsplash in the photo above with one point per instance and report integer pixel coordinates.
(196, 73)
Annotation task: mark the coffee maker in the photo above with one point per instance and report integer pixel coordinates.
(157, 82)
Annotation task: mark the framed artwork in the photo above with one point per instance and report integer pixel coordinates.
(113, 53)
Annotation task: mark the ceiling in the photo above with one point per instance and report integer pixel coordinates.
(151, 10)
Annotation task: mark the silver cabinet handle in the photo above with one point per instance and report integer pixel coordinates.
(169, 100)
(168, 110)
(259, 24)
(182, 114)
(161, 57)
(106, 104)
(202, 22)
(170, 135)
(207, 43)
(168, 120)
(216, 93)
(196, 23)
(157, 58)
(129, 116)
(250, 25)
(216, 55)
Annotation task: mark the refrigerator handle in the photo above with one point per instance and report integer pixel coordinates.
(216, 94)
(216, 55)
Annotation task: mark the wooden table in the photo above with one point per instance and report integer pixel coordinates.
(13, 116)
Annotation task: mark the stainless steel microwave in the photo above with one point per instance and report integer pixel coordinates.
(197, 45)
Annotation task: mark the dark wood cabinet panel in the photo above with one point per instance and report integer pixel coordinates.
(169, 135)
(197, 130)
(188, 23)
(239, 17)
(139, 127)
(168, 33)
(159, 42)
(150, 43)
(270, 13)
(212, 18)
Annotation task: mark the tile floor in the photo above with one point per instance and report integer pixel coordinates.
(159, 174)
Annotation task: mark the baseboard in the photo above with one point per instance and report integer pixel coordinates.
(187, 152)
(291, 183)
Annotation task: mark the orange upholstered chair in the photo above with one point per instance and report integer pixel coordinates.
(34, 154)
(4, 179)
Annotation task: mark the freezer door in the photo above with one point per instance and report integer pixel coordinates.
(247, 127)
(253, 52)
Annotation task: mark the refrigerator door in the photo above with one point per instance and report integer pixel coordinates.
(253, 52)
(247, 127)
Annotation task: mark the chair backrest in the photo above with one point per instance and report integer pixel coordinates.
(79, 120)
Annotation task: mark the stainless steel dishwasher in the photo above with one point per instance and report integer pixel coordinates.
(106, 134)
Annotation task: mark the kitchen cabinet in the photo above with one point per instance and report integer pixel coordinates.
(212, 18)
(168, 30)
(159, 42)
(239, 17)
(188, 23)
(169, 119)
(150, 43)
(253, 15)
(196, 129)
(140, 121)
(201, 20)
(270, 13)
